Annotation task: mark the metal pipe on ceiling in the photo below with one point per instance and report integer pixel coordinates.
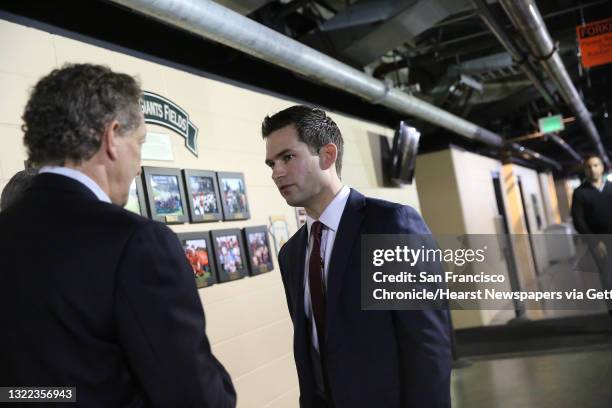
(521, 150)
(565, 146)
(222, 25)
(526, 17)
(215, 22)
(500, 32)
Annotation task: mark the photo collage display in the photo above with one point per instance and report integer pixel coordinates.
(175, 196)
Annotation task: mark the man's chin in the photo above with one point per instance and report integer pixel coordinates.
(120, 201)
(293, 202)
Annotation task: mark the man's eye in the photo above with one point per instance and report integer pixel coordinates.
(287, 157)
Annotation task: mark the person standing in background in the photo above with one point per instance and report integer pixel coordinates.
(592, 214)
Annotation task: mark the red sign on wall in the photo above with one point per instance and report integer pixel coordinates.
(595, 41)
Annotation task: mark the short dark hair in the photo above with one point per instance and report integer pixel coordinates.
(69, 109)
(313, 127)
(14, 189)
(590, 156)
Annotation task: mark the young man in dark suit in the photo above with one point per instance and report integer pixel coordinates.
(347, 357)
(93, 296)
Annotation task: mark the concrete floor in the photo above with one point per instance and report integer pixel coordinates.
(568, 380)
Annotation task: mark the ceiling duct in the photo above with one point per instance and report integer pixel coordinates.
(521, 59)
(365, 12)
(402, 28)
(493, 62)
(243, 7)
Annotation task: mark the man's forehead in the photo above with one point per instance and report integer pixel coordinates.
(593, 160)
(281, 140)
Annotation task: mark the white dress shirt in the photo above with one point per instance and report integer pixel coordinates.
(80, 177)
(603, 185)
(330, 218)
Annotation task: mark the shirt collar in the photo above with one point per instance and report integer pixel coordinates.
(603, 185)
(333, 212)
(80, 177)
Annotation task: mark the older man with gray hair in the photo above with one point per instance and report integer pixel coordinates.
(92, 296)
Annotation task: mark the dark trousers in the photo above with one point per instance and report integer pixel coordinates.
(323, 397)
(604, 264)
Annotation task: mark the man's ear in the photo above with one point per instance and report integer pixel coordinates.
(328, 155)
(110, 140)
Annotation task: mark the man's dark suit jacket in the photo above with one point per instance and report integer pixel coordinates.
(96, 297)
(375, 359)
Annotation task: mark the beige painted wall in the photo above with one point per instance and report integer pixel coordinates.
(457, 197)
(439, 193)
(247, 320)
(535, 211)
(518, 227)
(565, 191)
(531, 188)
(549, 195)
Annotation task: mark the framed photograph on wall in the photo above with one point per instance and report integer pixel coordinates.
(258, 249)
(233, 196)
(230, 257)
(203, 199)
(300, 216)
(199, 253)
(165, 194)
(136, 198)
(279, 229)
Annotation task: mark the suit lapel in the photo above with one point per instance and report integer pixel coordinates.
(348, 231)
(298, 287)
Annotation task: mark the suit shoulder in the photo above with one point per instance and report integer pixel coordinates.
(583, 188)
(378, 205)
(121, 213)
(119, 216)
(389, 217)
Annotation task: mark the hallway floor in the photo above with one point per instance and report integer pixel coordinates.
(566, 380)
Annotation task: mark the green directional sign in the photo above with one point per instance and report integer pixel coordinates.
(551, 124)
(162, 111)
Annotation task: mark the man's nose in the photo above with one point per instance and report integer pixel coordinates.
(278, 171)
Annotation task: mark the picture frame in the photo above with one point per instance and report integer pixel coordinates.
(258, 249)
(200, 255)
(137, 202)
(234, 199)
(300, 216)
(165, 191)
(279, 229)
(230, 255)
(203, 197)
